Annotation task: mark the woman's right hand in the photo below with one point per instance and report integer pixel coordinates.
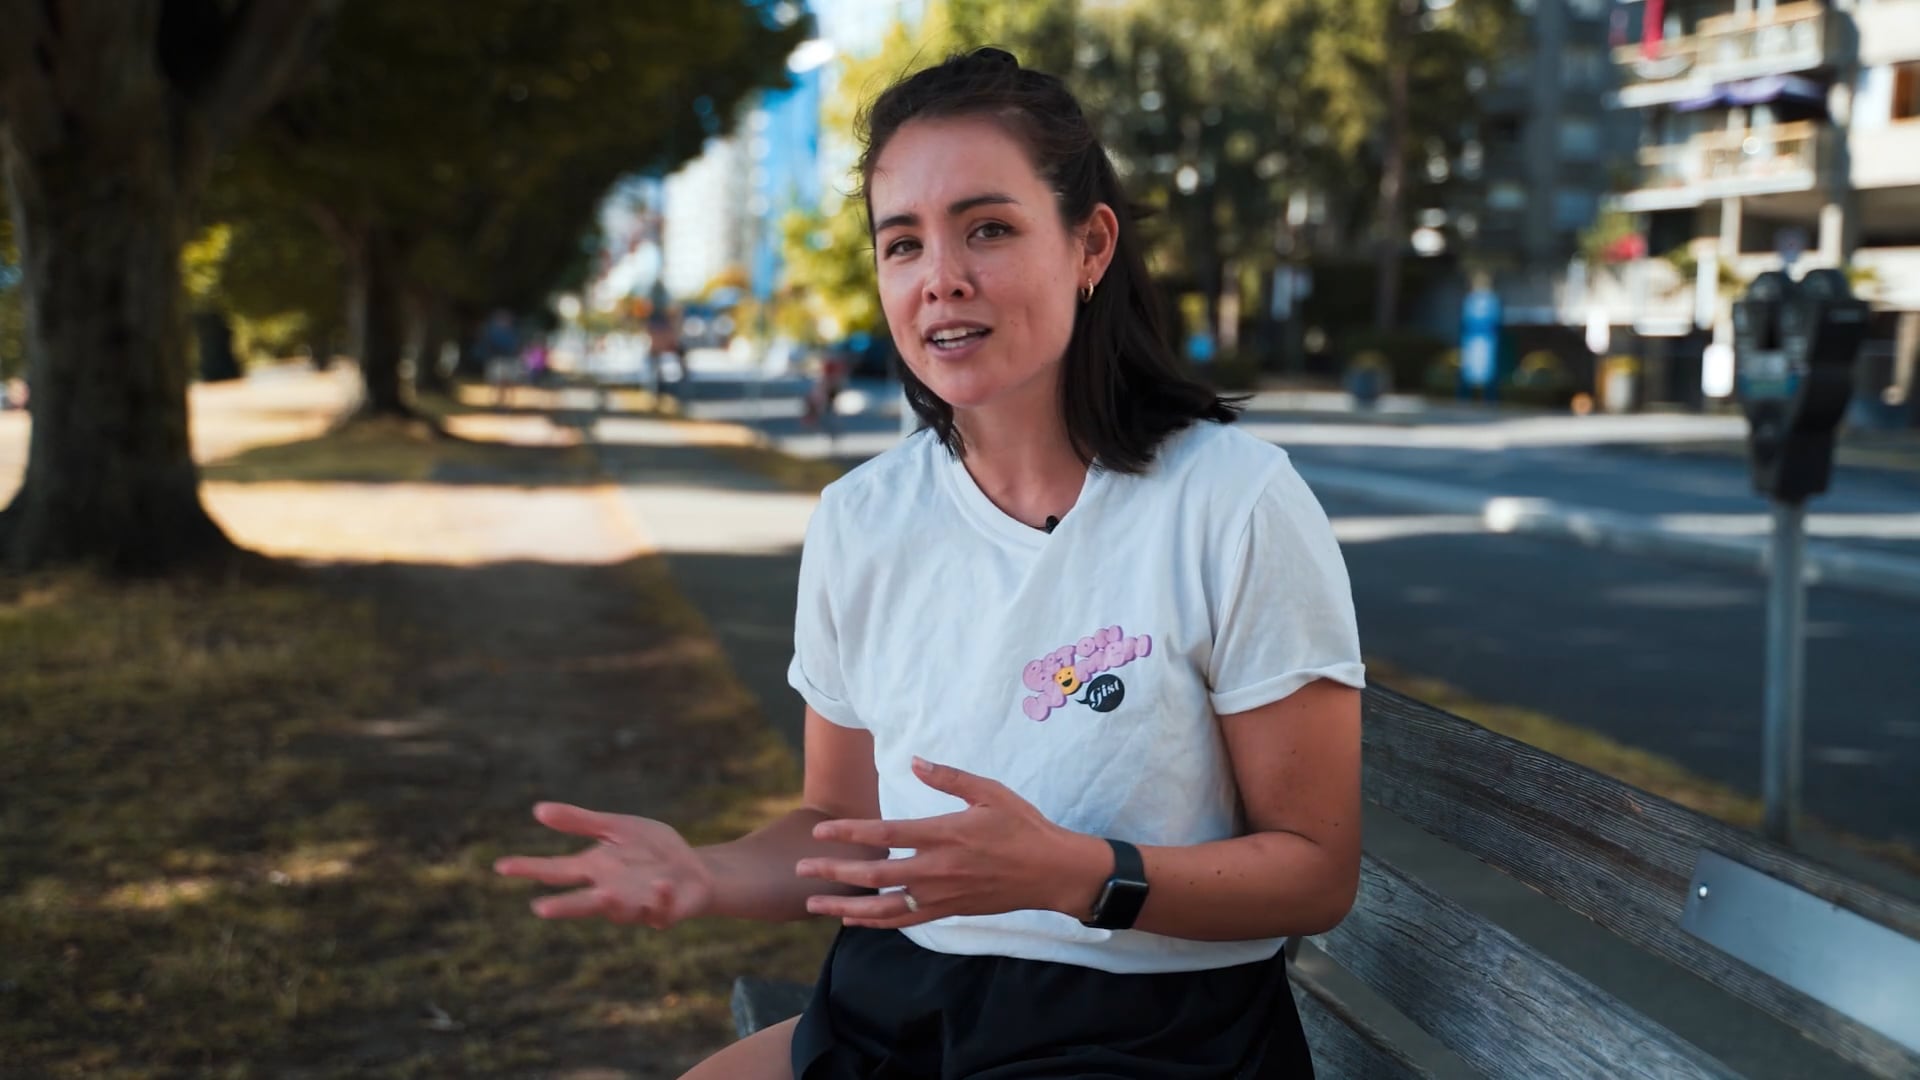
(640, 871)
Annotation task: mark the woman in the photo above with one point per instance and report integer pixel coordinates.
(1080, 657)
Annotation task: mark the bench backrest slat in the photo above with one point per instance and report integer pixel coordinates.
(1616, 854)
(1504, 1008)
(1343, 1042)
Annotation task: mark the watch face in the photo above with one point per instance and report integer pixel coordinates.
(1124, 893)
(1119, 904)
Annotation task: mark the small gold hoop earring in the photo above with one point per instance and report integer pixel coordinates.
(1086, 294)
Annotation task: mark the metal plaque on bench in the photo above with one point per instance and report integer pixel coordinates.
(1849, 963)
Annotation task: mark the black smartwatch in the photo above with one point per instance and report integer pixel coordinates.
(1125, 892)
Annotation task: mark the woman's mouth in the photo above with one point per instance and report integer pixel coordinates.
(958, 340)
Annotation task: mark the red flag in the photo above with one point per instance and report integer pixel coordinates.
(1650, 26)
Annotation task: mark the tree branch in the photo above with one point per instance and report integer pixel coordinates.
(271, 40)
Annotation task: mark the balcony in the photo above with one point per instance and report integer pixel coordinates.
(1886, 157)
(1722, 164)
(1792, 38)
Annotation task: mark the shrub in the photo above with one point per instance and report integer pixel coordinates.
(1441, 378)
(1541, 378)
(1406, 353)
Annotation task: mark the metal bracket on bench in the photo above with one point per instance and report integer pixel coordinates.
(1849, 963)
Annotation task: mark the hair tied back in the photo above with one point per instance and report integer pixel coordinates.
(996, 57)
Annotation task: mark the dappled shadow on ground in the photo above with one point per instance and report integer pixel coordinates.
(283, 865)
(547, 454)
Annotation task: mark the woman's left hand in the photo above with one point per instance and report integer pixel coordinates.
(999, 854)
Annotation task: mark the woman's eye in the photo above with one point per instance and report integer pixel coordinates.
(900, 247)
(992, 230)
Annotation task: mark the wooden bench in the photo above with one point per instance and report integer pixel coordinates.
(1823, 954)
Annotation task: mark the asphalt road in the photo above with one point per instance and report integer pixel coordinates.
(1659, 656)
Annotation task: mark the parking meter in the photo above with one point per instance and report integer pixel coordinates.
(1794, 344)
(1794, 347)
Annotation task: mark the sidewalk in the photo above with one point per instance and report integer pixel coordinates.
(1897, 449)
(732, 541)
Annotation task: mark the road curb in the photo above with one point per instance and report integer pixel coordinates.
(1826, 563)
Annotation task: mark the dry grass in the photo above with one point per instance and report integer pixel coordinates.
(219, 857)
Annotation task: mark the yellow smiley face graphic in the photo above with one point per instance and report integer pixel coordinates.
(1067, 680)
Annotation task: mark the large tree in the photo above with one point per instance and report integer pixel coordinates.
(1223, 113)
(456, 149)
(111, 112)
(1393, 75)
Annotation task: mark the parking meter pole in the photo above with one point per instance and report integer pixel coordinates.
(1786, 665)
(1795, 343)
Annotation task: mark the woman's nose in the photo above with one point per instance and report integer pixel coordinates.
(948, 279)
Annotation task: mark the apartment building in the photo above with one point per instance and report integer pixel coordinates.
(1544, 143)
(1770, 131)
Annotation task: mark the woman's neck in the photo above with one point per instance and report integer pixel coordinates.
(1023, 460)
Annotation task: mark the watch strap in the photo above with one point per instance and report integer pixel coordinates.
(1125, 891)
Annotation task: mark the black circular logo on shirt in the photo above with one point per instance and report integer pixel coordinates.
(1104, 694)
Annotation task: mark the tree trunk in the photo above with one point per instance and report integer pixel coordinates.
(1393, 170)
(110, 474)
(428, 376)
(378, 323)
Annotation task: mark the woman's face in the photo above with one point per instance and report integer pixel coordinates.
(978, 277)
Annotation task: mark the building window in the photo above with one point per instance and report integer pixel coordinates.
(1906, 91)
(1579, 139)
(1574, 209)
(1582, 66)
(1506, 195)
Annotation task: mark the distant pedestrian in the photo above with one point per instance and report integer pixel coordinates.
(539, 364)
(829, 381)
(500, 346)
(663, 350)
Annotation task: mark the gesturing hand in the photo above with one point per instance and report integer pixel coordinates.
(640, 871)
(999, 854)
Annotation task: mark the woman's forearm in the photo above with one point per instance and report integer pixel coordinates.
(753, 876)
(1267, 884)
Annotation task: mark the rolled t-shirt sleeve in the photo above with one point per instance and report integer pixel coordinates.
(816, 672)
(1284, 608)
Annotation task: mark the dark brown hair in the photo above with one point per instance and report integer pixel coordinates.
(1127, 391)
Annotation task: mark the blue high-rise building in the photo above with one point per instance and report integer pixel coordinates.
(783, 141)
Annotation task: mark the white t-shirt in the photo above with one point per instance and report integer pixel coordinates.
(1085, 668)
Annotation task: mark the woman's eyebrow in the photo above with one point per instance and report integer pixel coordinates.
(954, 209)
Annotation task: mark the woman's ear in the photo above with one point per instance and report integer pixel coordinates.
(1099, 239)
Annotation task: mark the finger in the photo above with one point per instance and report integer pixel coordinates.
(869, 832)
(557, 870)
(976, 790)
(576, 820)
(867, 874)
(886, 924)
(883, 907)
(578, 904)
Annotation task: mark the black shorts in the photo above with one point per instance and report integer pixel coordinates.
(887, 1009)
